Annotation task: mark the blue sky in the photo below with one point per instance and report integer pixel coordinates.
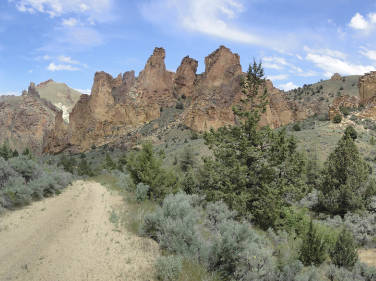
(299, 42)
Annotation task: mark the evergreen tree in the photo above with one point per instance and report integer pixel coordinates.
(337, 119)
(314, 249)
(350, 131)
(109, 163)
(146, 166)
(122, 162)
(84, 168)
(68, 163)
(346, 184)
(187, 160)
(15, 153)
(27, 152)
(5, 151)
(313, 170)
(255, 170)
(344, 252)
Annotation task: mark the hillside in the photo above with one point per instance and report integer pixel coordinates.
(24, 120)
(60, 95)
(317, 97)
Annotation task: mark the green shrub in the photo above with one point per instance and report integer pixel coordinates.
(218, 213)
(344, 253)
(5, 151)
(124, 181)
(350, 131)
(26, 167)
(174, 225)
(84, 168)
(146, 166)
(337, 119)
(187, 159)
(238, 251)
(314, 248)
(6, 172)
(109, 164)
(168, 268)
(142, 192)
(294, 221)
(68, 163)
(345, 110)
(309, 274)
(296, 127)
(16, 193)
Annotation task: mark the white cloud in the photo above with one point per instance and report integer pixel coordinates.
(279, 63)
(70, 22)
(278, 77)
(68, 60)
(326, 52)
(309, 73)
(96, 10)
(360, 22)
(333, 65)
(84, 91)
(288, 86)
(211, 17)
(272, 65)
(371, 54)
(58, 67)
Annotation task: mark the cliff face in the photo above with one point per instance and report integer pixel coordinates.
(367, 87)
(117, 107)
(24, 120)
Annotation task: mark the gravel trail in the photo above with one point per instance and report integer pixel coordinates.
(70, 238)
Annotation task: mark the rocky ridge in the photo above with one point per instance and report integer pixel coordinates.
(118, 107)
(25, 120)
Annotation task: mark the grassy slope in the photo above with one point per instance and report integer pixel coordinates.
(324, 92)
(60, 95)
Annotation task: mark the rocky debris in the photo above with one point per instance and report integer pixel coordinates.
(342, 102)
(336, 77)
(118, 107)
(25, 120)
(367, 87)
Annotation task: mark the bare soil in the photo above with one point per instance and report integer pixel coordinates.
(70, 238)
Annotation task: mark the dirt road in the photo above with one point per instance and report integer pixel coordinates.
(70, 238)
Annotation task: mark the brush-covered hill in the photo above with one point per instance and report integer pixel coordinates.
(316, 98)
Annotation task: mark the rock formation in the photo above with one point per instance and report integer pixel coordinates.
(367, 87)
(336, 77)
(342, 102)
(118, 107)
(24, 120)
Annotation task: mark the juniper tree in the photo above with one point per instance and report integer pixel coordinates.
(146, 166)
(314, 249)
(5, 151)
(255, 170)
(344, 252)
(346, 184)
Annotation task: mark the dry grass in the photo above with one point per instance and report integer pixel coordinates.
(368, 256)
